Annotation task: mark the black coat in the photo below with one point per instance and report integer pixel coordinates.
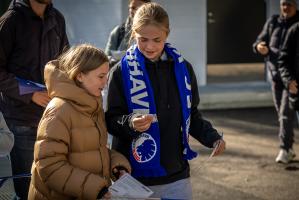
(167, 101)
(289, 56)
(27, 43)
(273, 33)
(288, 62)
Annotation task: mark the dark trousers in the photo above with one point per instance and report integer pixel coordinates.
(22, 157)
(285, 114)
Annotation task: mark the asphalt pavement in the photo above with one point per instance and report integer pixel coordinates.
(247, 169)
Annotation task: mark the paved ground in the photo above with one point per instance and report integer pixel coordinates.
(246, 171)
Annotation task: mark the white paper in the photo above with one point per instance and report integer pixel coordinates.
(128, 187)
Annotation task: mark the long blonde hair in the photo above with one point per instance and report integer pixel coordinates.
(150, 14)
(81, 58)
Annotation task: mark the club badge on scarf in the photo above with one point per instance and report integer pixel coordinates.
(145, 149)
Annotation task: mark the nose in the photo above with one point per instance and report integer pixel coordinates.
(150, 45)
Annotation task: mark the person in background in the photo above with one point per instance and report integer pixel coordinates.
(119, 38)
(71, 158)
(288, 63)
(268, 44)
(6, 145)
(6, 138)
(153, 107)
(32, 32)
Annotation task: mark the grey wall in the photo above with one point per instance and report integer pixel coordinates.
(90, 21)
(188, 32)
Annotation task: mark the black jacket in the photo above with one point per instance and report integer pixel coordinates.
(27, 43)
(289, 56)
(273, 33)
(167, 101)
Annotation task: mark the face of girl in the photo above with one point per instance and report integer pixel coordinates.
(150, 41)
(95, 80)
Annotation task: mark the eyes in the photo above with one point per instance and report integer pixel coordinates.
(102, 76)
(156, 40)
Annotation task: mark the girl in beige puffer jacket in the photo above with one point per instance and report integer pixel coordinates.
(71, 158)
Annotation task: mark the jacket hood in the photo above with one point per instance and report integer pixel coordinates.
(19, 3)
(24, 6)
(59, 85)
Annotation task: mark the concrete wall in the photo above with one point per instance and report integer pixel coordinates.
(188, 32)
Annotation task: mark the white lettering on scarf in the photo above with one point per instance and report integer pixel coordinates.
(188, 87)
(137, 86)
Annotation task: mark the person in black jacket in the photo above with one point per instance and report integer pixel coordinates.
(288, 63)
(268, 44)
(32, 32)
(119, 38)
(153, 107)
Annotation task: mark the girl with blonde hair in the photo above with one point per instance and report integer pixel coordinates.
(153, 107)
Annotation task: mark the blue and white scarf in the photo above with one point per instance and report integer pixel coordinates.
(145, 149)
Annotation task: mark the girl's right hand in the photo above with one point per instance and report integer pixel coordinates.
(142, 123)
(107, 195)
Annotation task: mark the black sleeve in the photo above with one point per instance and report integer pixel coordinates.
(117, 114)
(8, 82)
(287, 54)
(102, 192)
(265, 33)
(112, 41)
(200, 129)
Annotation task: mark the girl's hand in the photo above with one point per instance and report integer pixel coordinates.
(142, 123)
(219, 147)
(118, 172)
(107, 195)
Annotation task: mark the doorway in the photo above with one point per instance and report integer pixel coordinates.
(232, 27)
(3, 6)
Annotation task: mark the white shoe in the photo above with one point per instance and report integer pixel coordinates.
(285, 156)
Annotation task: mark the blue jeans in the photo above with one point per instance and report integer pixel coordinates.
(22, 157)
(177, 190)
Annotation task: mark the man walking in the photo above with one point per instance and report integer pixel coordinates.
(268, 44)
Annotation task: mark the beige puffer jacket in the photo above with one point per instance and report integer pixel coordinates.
(71, 158)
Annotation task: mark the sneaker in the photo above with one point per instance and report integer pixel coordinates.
(285, 156)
